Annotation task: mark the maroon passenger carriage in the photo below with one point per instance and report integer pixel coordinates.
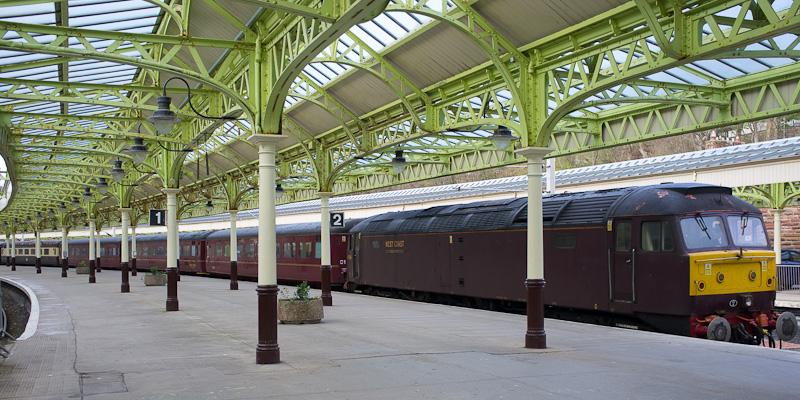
(151, 252)
(299, 252)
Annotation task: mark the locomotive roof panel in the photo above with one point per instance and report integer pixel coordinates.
(566, 209)
(681, 199)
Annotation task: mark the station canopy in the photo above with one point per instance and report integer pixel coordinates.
(435, 79)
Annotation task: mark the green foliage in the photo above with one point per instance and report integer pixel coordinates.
(82, 263)
(156, 271)
(302, 291)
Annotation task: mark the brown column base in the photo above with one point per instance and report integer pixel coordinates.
(535, 337)
(97, 265)
(92, 278)
(126, 285)
(133, 267)
(267, 350)
(327, 299)
(234, 276)
(172, 289)
(178, 269)
(38, 264)
(64, 267)
(13, 263)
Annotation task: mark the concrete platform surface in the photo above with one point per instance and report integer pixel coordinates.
(788, 299)
(96, 343)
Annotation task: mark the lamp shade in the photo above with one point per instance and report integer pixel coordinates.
(102, 185)
(163, 118)
(138, 150)
(117, 173)
(398, 162)
(502, 138)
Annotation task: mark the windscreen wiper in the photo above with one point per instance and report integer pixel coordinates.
(743, 222)
(702, 225)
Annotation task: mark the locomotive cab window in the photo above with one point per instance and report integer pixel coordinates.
(747, 231)
(657, 236)
(701, 232)
(622, 236)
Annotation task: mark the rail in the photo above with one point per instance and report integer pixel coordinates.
(789, 278)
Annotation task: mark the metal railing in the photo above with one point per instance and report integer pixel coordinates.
(789, 278)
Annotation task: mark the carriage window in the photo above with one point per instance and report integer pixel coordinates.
(657, 236)
(239, 250)
(47, 252)
(218, 250)
(305, 249)
(287, 250)
(565, 241)
(250, 250)
(747, 231)
(318, 250)
(703, 232)
(227, 250)
(623, 236)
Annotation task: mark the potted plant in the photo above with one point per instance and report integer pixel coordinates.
(156, 277)
(82, 268)
(300, 308)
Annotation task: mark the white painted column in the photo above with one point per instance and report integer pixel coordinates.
(97, 247)
(776, 233)
(91, 243)
(64, 243)
(267, 349)
(133, 241)
(325, 226)
(172, 227)
(535, 258)
(267, 268)
(126, 220)
(550, 175)
(535, 336)
(234, 238)
(37, 244)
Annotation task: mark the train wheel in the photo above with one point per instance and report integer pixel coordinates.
(719, 329)
(786, 326)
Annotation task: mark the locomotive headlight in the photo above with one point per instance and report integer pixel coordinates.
(752, 276)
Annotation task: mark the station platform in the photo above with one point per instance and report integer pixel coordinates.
(788, 299)
(96, 343)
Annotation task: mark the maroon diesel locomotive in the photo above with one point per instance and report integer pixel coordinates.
(687, 259)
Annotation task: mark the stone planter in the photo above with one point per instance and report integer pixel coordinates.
(82, 270)
(155, 280)
(293, 311)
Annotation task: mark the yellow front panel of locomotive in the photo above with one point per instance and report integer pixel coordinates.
(729, 272)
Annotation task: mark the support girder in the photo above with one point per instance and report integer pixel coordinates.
(578, 69)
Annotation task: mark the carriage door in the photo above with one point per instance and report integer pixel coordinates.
(623, 268)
